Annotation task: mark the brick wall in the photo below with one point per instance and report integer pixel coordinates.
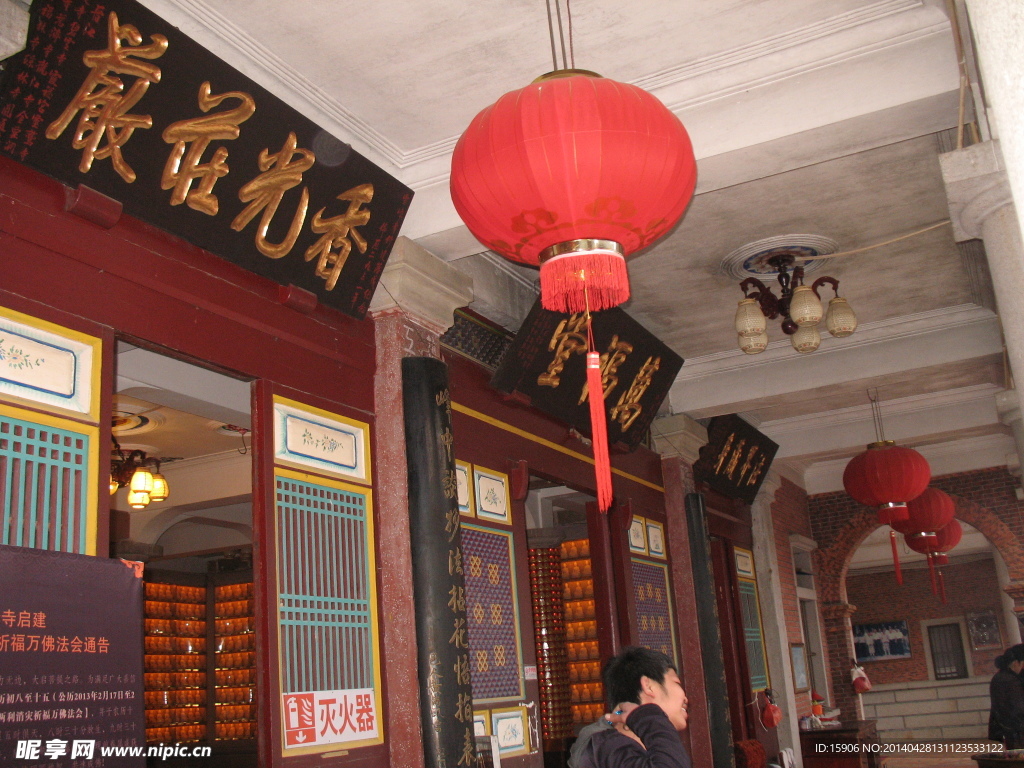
(985, 499)
(789, 516)
(970, 587)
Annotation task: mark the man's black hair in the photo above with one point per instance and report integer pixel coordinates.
(622, 673)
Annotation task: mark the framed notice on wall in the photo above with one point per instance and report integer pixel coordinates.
(984, 631)
(798, 654)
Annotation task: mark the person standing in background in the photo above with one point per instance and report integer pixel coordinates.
(1006, 691)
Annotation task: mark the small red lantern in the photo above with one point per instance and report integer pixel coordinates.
(947, 537)
(928, 514)
(887, 476)
(574, 173)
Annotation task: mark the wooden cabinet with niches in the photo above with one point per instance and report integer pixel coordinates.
(200, 665)
(582, 647)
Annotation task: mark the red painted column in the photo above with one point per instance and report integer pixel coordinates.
(398, 335)
(677, 477)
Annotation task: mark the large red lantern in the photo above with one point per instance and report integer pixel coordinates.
(574, 173)
(887, 476)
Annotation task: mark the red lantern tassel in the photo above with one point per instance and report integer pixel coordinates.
(599, 432)
(942, 587)
(584, 282)
(895, 556)
(931, 573)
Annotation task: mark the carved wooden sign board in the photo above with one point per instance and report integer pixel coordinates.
(111, 96)
(736, 459)
(547, 364)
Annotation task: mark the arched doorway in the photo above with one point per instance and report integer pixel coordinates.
(833, 566)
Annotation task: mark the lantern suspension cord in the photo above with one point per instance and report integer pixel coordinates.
(568, 61)
(568, 15)
(561, 35)
(876, 414)
(855, 251)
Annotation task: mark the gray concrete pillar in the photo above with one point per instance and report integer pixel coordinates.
(981, 206)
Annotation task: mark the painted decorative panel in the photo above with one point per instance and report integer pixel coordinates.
(638, 535)
(324, 442)
(492, 497)
(327, 613)
(48, 495)
(655, 628)
(510, 727)
(49, 365)
(655, 539)
(493, 615)
(464, 488)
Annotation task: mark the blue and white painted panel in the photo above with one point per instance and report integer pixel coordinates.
(42, 366)
(326, 443)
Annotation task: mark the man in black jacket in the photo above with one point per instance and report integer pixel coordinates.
(648, 712)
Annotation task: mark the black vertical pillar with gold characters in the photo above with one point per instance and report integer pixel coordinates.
(439, 591)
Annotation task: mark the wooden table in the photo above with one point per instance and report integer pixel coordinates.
(847, 746)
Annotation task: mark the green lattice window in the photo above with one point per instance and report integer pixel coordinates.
(44, 485)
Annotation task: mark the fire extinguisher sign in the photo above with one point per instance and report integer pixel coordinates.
(329, 717)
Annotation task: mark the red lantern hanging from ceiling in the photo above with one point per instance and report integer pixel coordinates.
(887, 476)
(946, 539)
(926, 514)
(573, 173)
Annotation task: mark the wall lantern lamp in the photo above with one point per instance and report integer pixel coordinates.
(798, 305)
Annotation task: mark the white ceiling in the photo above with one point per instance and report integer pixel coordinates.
(807, 117)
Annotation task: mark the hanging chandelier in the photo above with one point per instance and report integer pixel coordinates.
(798, 305)
(139, 474)
(574, 173)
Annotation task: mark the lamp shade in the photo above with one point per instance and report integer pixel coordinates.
(752, 345)
(927, 514)
(160, 490)
(750, 320)
(840, 319)
(805, 306)
(887, 476)
(574, 172)
(138, 499)
(142, 481)
(806, 339)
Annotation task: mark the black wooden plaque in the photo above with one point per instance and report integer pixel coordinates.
(128, 117)
(736, 459)
(547, 363)
(439, 587)
(71, 678)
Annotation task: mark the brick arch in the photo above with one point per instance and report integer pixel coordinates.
(832, 564)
